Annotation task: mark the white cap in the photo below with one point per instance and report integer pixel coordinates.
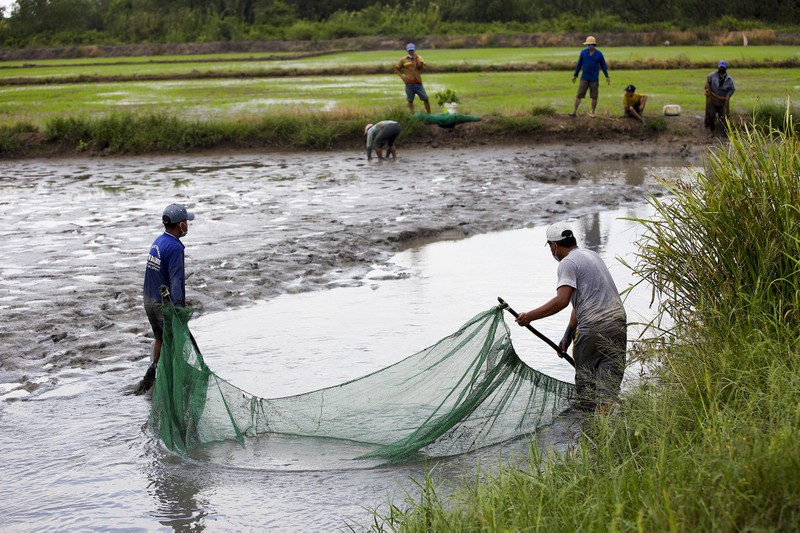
(367, 127)
(175, 213)
(559, 231)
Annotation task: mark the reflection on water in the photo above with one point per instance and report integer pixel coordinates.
(177, 489)
(628, 171)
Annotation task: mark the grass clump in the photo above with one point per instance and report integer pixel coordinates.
(14, 138)
(513, 124)
(772, 114)
(543, 111)
(656, 124)
(712, 444)
(133, 133)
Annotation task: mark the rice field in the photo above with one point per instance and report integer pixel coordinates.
(480, 94)
(243, 88)
(439, 57)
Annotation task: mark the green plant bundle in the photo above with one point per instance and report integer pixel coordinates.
(447, 96)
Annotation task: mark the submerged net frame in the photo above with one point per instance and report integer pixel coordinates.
(467, 391)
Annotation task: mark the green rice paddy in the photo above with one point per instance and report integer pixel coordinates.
(480, 93)
(243, 89)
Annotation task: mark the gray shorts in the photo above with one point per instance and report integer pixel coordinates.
(592, 86)
(155, 315)
(599, 366)
(416, 89)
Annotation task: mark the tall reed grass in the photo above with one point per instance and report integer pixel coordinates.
(727, 243)
(713, 442)
(133, 133)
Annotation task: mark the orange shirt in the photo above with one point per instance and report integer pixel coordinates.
(410, 69)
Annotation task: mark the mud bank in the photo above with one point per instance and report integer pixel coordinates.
(75, 232)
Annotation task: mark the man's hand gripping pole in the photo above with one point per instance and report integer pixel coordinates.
(562, 354)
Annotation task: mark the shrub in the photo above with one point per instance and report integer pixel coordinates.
(447, 96)
(67, 129)
(728, 242)
(543, 111)
(656, 124)
(773, 115)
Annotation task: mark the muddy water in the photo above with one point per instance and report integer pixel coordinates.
(324, 251)
(407, 304)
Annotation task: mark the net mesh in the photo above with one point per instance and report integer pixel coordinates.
(467, 391)
(446, 120)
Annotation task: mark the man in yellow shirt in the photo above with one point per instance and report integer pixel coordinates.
(633, 103)
(410, 71)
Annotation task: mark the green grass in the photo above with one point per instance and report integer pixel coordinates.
(513, 98)
(135, 133)
(139, 60)
(616, 57)
(712, 444)
(480, 94)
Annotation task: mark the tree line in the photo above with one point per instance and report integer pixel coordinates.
(42, 23)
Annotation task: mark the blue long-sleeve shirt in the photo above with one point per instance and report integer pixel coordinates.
(720, 85)
(591, 65)
(165, 266)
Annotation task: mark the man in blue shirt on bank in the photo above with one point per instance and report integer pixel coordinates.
(165, 267)
(590, 62)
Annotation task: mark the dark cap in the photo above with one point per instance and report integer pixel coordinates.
(630, 89)
(175, 213)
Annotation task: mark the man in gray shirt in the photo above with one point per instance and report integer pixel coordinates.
(598, 323)
(384, 133)
(718, 90)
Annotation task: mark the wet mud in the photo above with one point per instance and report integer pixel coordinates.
(75, 233)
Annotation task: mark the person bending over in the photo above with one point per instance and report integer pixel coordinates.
(384, 133)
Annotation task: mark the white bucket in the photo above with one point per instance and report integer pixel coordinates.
(451, 108)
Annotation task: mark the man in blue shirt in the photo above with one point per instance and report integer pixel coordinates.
(590, 62)
(165, 267)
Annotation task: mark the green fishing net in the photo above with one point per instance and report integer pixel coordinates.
(467, 391)
(446, 120)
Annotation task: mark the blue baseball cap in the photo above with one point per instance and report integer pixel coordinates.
(410, 46)
(723, 64)
(175, 213)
